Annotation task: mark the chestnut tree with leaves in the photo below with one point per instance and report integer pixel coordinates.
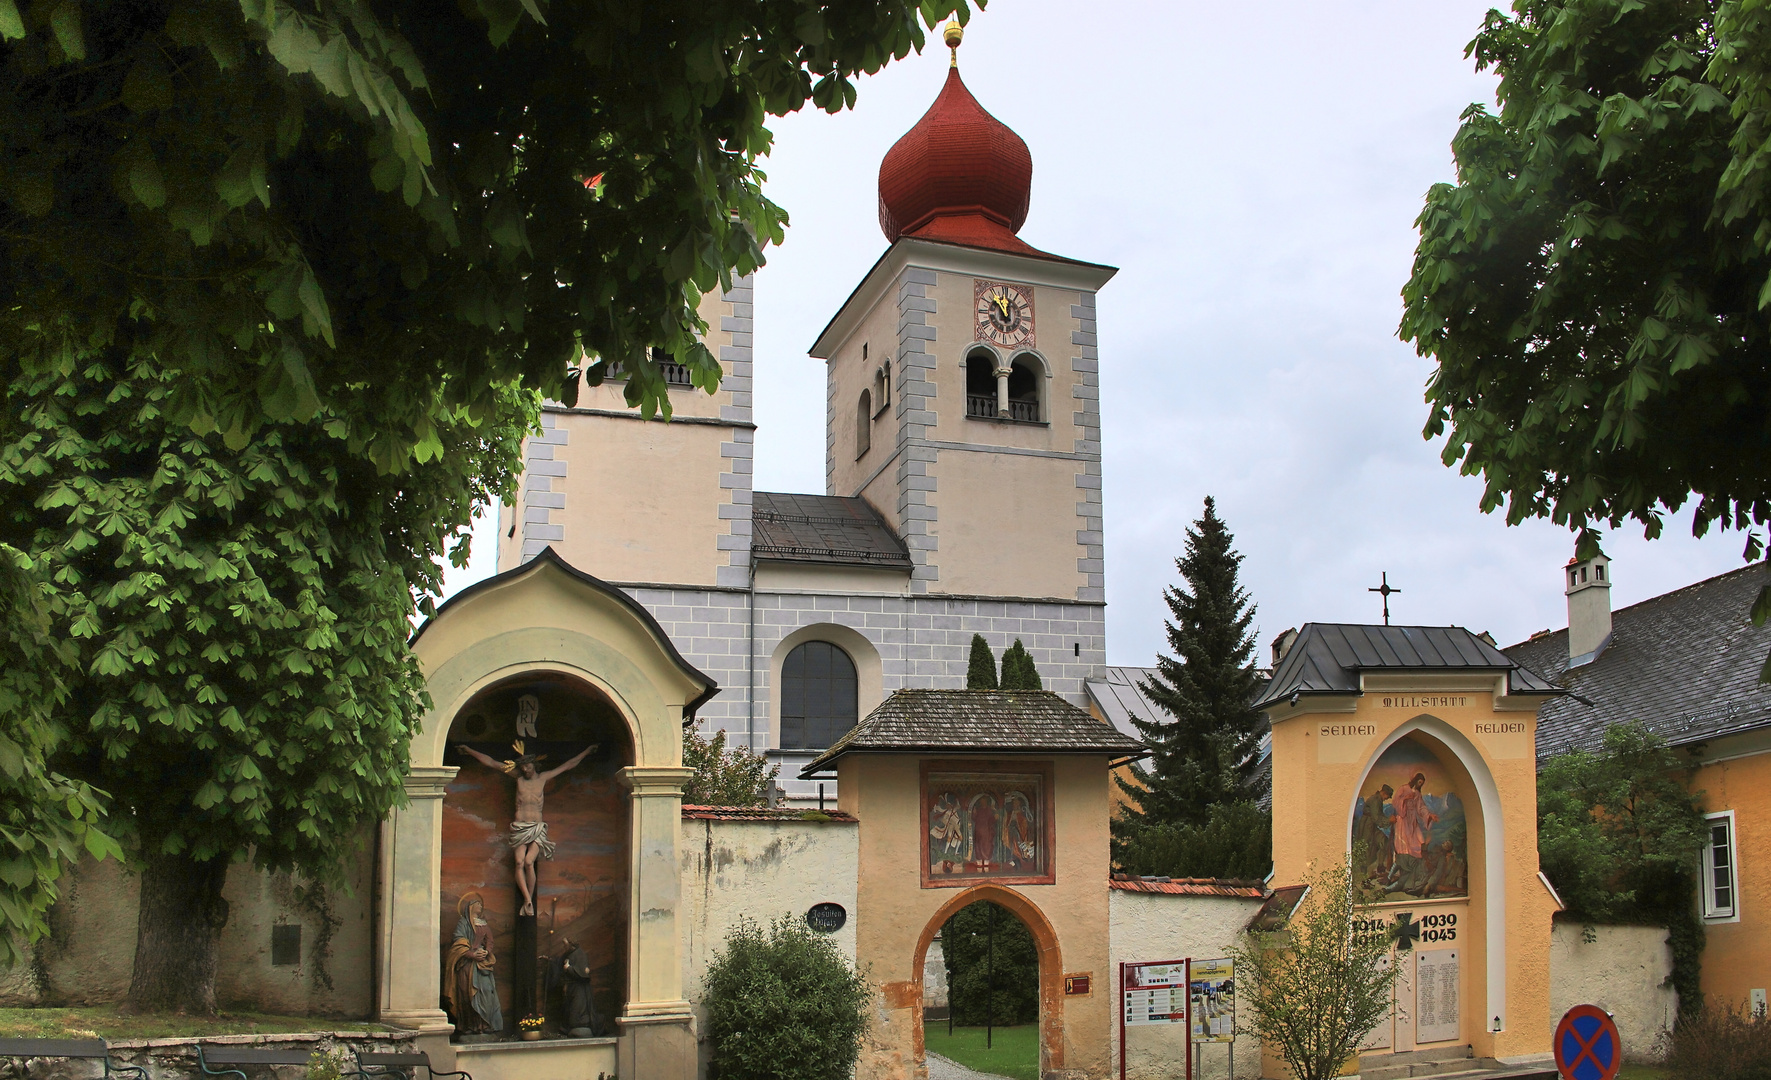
(1595, 289)
(280, 283)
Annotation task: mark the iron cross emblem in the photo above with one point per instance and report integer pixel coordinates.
(1406, 931)
(1386, 591)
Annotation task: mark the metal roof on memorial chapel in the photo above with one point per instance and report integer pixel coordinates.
(1329, 658)
(978, 721)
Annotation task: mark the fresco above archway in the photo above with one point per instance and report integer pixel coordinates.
(1409, 827)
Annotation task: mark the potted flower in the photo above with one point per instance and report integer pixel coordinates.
(530, 1027)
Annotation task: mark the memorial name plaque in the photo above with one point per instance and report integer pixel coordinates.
(1435, 996)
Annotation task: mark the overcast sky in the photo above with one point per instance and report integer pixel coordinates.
(1254, 170)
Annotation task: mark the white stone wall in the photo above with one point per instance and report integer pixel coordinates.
(1149, 927)
(1624, 971)
(759, 870)
(922, 641)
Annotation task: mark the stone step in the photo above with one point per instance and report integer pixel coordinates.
(1453, 1069)
(1409, 1057)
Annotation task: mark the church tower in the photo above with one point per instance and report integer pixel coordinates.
(962, 479)
(963, 373)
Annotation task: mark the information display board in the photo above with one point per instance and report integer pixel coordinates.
(1213, 991)
(1155, 993)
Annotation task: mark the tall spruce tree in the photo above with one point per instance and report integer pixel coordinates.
(1204, 752)
(980, 673)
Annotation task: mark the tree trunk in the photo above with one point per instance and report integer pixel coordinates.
(177, 932)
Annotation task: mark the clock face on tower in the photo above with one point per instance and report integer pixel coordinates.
(1004, 314)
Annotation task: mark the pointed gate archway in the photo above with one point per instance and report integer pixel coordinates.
(1051, 967)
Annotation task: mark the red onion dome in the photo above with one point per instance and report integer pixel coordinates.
(957, 162)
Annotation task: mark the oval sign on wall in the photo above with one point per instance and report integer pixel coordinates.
(826, 918)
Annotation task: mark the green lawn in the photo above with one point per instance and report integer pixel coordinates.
(1014, 1051)
(107, 1022)
(1643, 1072)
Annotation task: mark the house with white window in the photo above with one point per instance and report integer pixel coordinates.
(1687, 665)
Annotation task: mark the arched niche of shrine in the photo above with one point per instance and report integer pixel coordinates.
(582, 892)
(1419, 830)
(1417, 816)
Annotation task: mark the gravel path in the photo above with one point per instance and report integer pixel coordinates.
(941, 1068)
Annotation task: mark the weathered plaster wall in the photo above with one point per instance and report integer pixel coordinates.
(1149, 927)
(759, 870)
(1623, 970)
(1737, 952)
(91, 947)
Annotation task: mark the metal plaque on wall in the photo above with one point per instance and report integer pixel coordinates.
(826, 918)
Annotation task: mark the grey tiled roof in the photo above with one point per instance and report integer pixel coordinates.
(823, 529)
(1120, 695)
(971, 721)
(1327, 658)
(1685, 663)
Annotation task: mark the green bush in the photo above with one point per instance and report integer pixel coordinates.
(1621, 837)
(1236, 841)
(1018, 670)
(967, 943)
(1721, 1044)
(784, 1004)
(980, 672)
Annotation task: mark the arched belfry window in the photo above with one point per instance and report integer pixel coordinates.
(818, 702)
(980, 384)
(1023, 389)
(864, 424)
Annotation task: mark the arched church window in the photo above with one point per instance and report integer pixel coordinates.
(980, 384)
(864, 424)
(1023, 390)
(818, 702)
(882, 387)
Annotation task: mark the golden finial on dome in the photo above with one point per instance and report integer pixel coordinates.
(953, 35)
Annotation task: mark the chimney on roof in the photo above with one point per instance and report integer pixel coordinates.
(1589, 608)
(1283, 643)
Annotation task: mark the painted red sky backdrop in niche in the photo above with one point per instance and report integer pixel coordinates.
(583, 889)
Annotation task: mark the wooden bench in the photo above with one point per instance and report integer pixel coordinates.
(90, 1049)
(230, 1058)
(382, 1064)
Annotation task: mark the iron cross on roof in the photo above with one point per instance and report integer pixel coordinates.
(1386, 591)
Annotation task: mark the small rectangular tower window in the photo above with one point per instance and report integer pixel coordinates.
(286, 944)
(1720, 869)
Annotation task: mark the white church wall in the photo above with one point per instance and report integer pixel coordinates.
(760, 869)
(922, 642)
(1623, 970)
(1148, 927)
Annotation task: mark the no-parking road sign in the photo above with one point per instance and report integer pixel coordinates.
(1587, 1045)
